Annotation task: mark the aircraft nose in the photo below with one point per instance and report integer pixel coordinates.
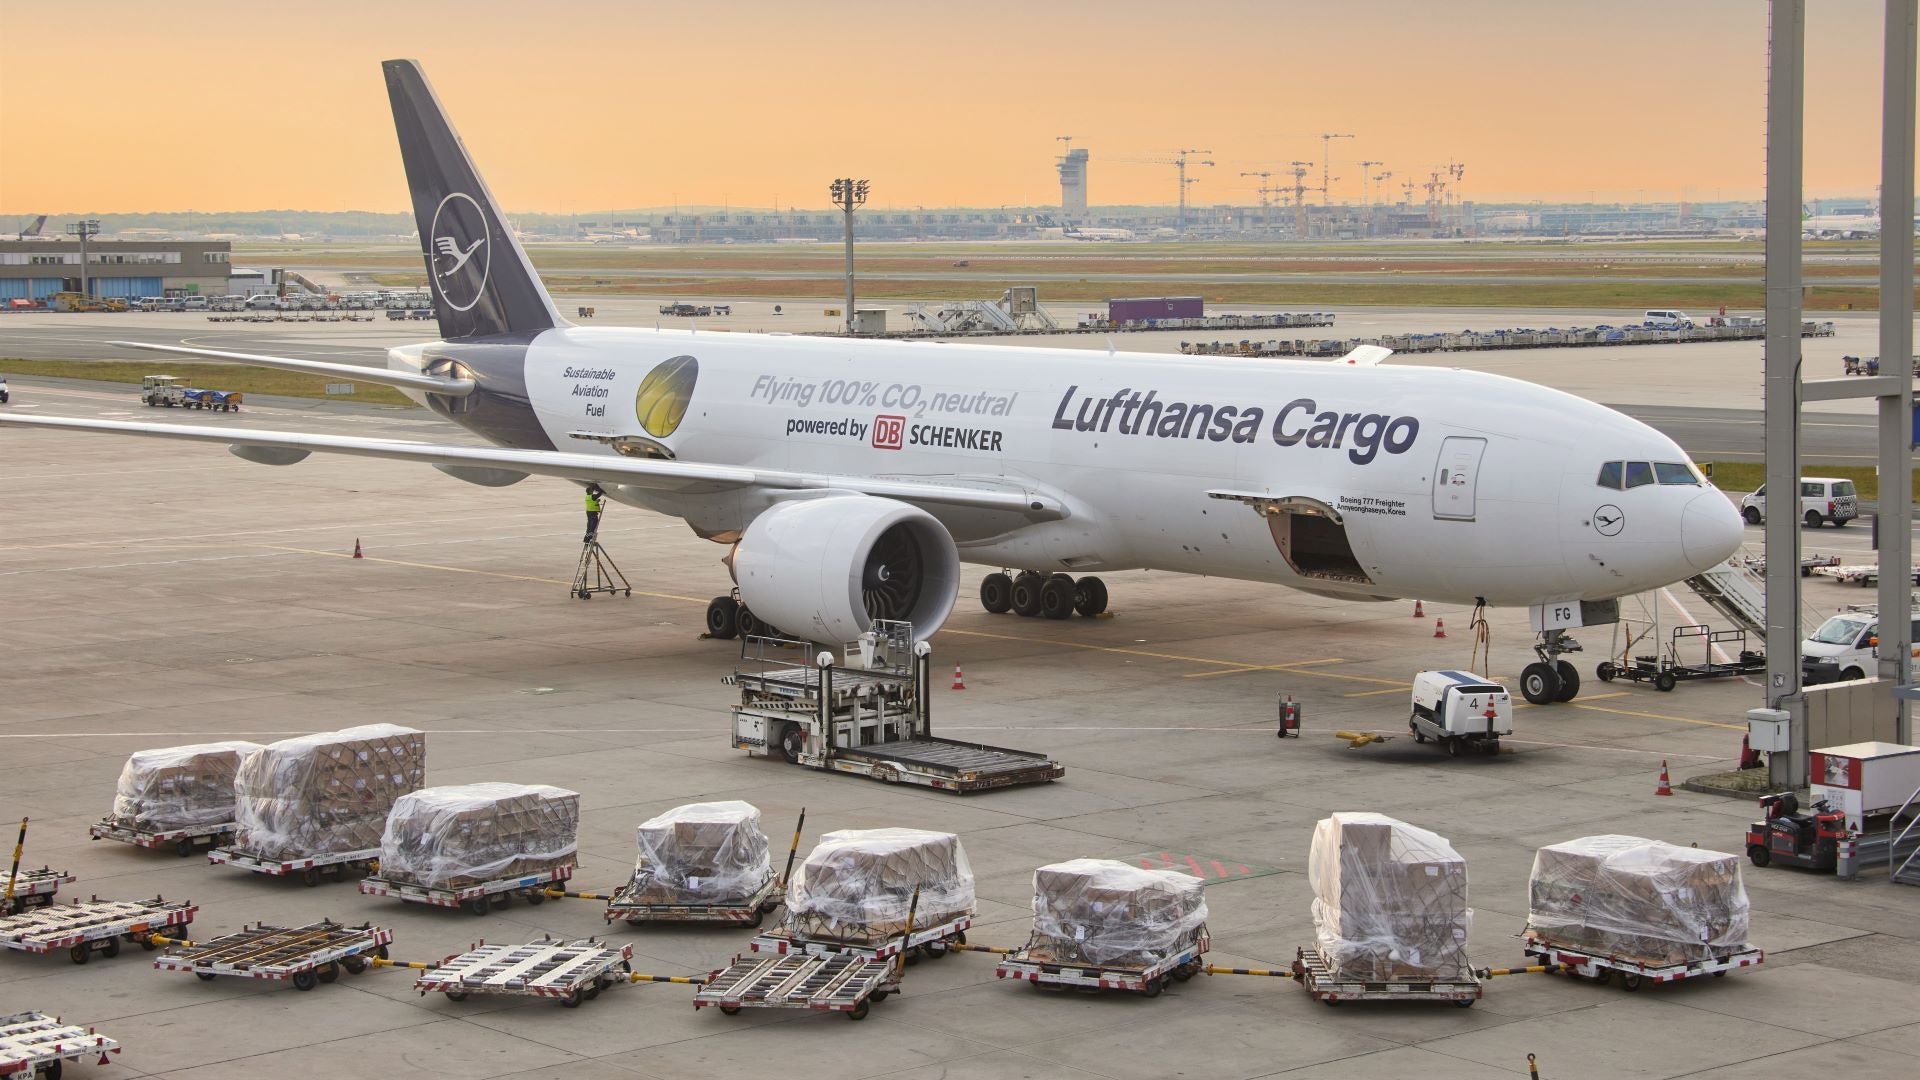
(1710, 531)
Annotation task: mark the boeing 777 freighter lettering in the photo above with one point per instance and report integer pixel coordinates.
(847, 480)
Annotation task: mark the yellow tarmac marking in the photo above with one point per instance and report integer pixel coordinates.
(1659, 716)
(1089, 647)
(1583, 698)
(466, 570)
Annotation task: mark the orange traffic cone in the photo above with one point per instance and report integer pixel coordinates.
(1418, 611)
(1666, 786)
(958, 683)
(1439, 628)
(356, 548)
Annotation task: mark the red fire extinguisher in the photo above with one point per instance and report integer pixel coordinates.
(1289, 717)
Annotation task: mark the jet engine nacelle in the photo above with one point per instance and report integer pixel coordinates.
(826, 568)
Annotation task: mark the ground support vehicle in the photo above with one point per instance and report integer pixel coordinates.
(1633, 974)
(90, 926)
(156, 390)
(573, 971)
(1791, 838)
(217, 400)
(871, 717)
(1458, 709)
(182, 841)
(35, 888)
(1666, 671)
(843, 982)
(303, 955)
(930, 942)
(1320, 982)
(1864, 575)
(751, 911)
(1146, 980)
(34, 1043)
(308, 870)
(479, 897)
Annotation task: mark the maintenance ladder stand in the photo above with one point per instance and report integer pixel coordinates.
(597, 572)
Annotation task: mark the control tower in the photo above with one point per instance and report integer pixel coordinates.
(1073, 183)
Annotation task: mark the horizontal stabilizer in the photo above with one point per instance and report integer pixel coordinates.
(406, 380)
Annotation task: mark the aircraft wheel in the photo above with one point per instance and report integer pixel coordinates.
(1539, 683)
(996, 594)
(723, 617)
(749, 624)
(1569, 681)
(1025, 596)
(1090, 596)
(1056, 598)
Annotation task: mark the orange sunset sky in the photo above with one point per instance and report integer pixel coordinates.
(583, 106)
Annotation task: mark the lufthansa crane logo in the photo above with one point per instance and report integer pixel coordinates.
(460, 251)
(1608, 520)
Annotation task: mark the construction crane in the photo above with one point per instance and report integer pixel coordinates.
(1435, 188)
(1326, 162)
(1180, 160)
(1299, 169)
(1365, 175)
(1266, 190)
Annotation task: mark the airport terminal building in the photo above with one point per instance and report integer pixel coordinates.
(34, 269)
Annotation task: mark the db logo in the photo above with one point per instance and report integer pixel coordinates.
(889, 432)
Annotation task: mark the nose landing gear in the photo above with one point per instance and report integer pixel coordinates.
(1030, 593)
(1551, 679)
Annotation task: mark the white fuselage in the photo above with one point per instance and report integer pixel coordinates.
(1447, 484)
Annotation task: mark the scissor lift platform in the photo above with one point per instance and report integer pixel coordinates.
(304, 955)
(32, 1042)
(85, 927)
(841, 982)
(571, 971)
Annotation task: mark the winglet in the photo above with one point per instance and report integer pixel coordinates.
(1367, 355)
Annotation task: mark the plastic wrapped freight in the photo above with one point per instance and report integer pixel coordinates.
(179, 787)
(465, 834)
(856, 885)
(702, 853)
(1389, 900)
(325, 793)
(1638, 899)
(1097, 911)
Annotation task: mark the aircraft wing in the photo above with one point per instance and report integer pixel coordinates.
(497, 465)
(406, 379)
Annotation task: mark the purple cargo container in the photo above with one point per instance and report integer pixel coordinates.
(1154, 308)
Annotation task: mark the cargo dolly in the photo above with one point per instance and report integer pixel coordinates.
(1146, 980)
(1667, 671)
(572, 971)
(35, 888)
(870, 716)
(931, 942)
(1320, 982)
(478, 898)
(304, 955)
(1598, 969)
(842, 982)
(307, 870)
(182, 841)
(35, 1043)
(752, 911)
(85, 927)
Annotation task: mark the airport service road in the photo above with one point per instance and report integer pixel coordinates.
(167, 593)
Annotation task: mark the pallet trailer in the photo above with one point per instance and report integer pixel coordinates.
(752, 911)
(85, 927)
(35, 888)
(304, 955)
(182, 841)
(571, 971)
(842, 982)
(1598, 969)
(1313, 972)
(1146, 980)
(932, 942)
(35, 1043)
(1865, 575)
(307, 870)
(478, 898)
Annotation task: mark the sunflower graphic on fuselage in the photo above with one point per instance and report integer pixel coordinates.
(664, 394)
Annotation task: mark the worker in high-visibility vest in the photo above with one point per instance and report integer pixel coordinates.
(595, 503)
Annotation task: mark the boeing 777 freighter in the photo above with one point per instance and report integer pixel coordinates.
(848, 479)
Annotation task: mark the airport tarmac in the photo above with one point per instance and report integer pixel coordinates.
(156, 593)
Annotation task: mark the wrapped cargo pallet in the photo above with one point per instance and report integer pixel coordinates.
(325, 793)
(465, 834)
(701, 853)
(178, 787)
(1389, 900)
(1637, 899)
(855, 885)
(1097, 911)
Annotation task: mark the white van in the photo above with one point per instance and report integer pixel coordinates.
(1851, 639)
(1669, 319)
(1822, 499)
(263, 302)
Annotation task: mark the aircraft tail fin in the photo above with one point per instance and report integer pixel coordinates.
(482, 282)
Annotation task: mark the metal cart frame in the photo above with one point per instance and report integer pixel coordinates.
(33, 1042)
(308, 870)
(182, 841)
(478, 899)
(35, 888)
(85, 927)
(1146, 981)
(1633, 974)
(304, 955)
(749, 912)
(1323, 985)
(571, 971)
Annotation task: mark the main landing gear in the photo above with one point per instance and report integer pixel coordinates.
(728, 618)
(1551, 679)
(1031, 593)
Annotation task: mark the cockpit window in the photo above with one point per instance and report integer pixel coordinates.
(1610, 475)
(1639, 473)
(1672, 472)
